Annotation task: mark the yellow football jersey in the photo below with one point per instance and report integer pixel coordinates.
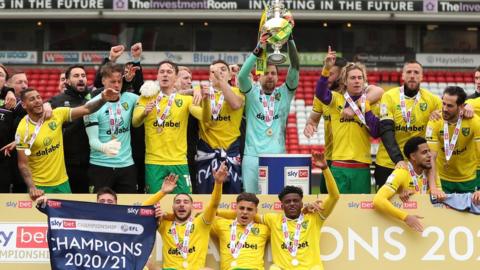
(166, 145)
(462, 165)
(308, 254)
(223, 131)
(197, 247)
(46, 161)
(352, 139)
(399, 179)
(390, 109)
(322, 109)
(251, 255)
(475, 103)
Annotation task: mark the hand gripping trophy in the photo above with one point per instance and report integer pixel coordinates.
(279, 25)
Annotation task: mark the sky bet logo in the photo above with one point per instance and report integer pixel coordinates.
(54, 204)
(147, 212)
(301, 173)
(31, 237)
(133, 211)
(24, 204)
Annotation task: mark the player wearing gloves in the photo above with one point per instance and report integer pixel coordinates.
(108, 130)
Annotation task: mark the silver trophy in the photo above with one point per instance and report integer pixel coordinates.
(279, 29)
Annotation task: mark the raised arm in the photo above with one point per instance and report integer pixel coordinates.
(333, 193)
(220, 176)
(235, 101)
(321, 90)
(169, 184)
(244, 81)
(294, 68)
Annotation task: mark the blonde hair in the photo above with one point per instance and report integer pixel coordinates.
(180, 68)
(344, 72)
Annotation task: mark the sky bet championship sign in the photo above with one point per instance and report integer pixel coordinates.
(354, 237)
(83, 235)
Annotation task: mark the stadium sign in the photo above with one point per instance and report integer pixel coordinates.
(448, 60)
(18, 57)
(153, 58)
(427, 6)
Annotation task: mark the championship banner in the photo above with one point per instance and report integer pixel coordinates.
(84, 235)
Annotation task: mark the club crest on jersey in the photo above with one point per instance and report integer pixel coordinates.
(125, 106)
(423, 106)
(47, 141)
(179, 102)
(305, 224)
(255, 231)
(277, 96)
(52, 125)
(465, 131)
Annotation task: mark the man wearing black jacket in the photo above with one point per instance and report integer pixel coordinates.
(76, 147)
(9, 171)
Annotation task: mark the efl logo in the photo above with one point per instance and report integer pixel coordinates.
(32, 237)
(262, 173)
(24, 204)
(366, 205)
(233, 205)
(198, 205)
(147, 212)
(277, 206)
(54, 204)
(303, 173)
(410, 205)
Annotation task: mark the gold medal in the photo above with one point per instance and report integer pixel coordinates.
(114, 137)
(233, 264)
(159, 129)
(269, 132)
(445, 166)
(185, 264)
(28, 152)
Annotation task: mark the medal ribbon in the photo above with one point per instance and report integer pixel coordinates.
(268, 107)
(360, 113)
(407, 115)
(38, 125)
(235, 249)
(183, 248)
(114, 119)
(215, 107)
(414, 176)
(167, 109)
(292, 247)
(450, 145)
